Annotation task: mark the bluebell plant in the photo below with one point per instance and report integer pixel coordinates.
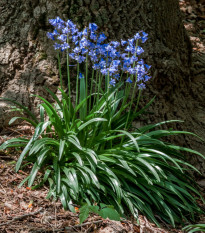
(112, 61)
(87, 147)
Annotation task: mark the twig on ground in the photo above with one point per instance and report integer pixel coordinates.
(21, 217)
(6, 157)
(2, 192)
(83, 224)
(70, 228)
(3, 188)
(16, 131)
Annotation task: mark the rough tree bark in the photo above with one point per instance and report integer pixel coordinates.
(27, 60)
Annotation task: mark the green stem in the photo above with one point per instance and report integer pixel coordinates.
(60, 74)
(127, 91)
(108, 80)
(131, 102)
(96, 85)
(68, 73)
(121, 77)
(86, 84)
(99, 84)
(91, 88)
(106, 77)
(69, 90)
(138, 100)
(76, 99)
(132, 98)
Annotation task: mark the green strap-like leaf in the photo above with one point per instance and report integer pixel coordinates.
(74, 142)
(148, 127)
(130, 136)
(39, 130)
(10, 142)
(33, 174)
(33, 123)
(82, 97)
(61, 149)
(150, 167)
(92, 175)
(54, 96)
(78, 158)
(24, 152)
(90, 122)
(71, 180)
(40, 143)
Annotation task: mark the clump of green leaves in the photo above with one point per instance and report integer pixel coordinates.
(91, 158)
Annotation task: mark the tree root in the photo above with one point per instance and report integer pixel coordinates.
(21, 217)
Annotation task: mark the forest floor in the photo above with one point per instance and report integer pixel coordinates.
(24, 210)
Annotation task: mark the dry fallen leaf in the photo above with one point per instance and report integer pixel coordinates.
(20, 195)
(9, 205)
(23, 205)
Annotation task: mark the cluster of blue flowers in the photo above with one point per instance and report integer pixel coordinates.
(107, 58)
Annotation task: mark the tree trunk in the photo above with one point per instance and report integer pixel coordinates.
(28, 61)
